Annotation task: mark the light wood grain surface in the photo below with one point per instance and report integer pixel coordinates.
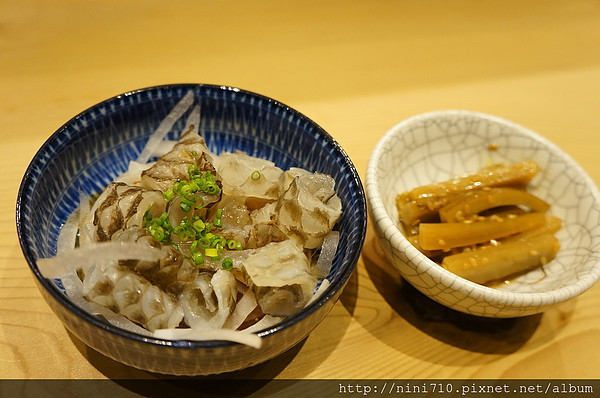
(355, 67)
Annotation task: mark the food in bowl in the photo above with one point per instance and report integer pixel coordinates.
(438, 145)
(197, 245)
(91, 149)
(484, 227)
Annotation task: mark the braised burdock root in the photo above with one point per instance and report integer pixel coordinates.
(496, 262)
(423, 203)
(484, 227)
(445, 236)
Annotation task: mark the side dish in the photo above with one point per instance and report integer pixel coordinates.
(484, 227)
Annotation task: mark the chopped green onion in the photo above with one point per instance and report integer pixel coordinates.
(193, 186)
(212, 189)
(232, 244)
(208, 176)
(198, 225)
(255, 176)
(192, 229)
(218, 241)
(194, 247)
(185, 189)
(227, 264)
(211, 252)
(197, 258)
(179, 230)
(177, 185)
(203, 242)
(157, 233)
(187, 200)
(199, 204)
(147, 218)
(168, 195)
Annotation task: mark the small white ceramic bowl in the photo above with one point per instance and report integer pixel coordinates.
(439, 145)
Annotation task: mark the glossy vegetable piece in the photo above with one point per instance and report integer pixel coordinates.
(493, 263)
(422, 203)
(433, 236)
(474, 202)
(551, 226)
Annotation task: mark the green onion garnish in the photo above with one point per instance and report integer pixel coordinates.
(211, 252)
(197, 258)
(168, 195)
(227, 264)
(192, 229)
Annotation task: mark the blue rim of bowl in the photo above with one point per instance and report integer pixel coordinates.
(59, 296)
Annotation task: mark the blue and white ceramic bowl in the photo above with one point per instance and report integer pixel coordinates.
(95, 146)
(437, 146)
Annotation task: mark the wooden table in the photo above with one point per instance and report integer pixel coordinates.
(355, 67)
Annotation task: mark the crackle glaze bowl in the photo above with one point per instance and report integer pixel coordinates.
(439, 145)
(92, 148)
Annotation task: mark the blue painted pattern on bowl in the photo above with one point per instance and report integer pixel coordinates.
(92, 148)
